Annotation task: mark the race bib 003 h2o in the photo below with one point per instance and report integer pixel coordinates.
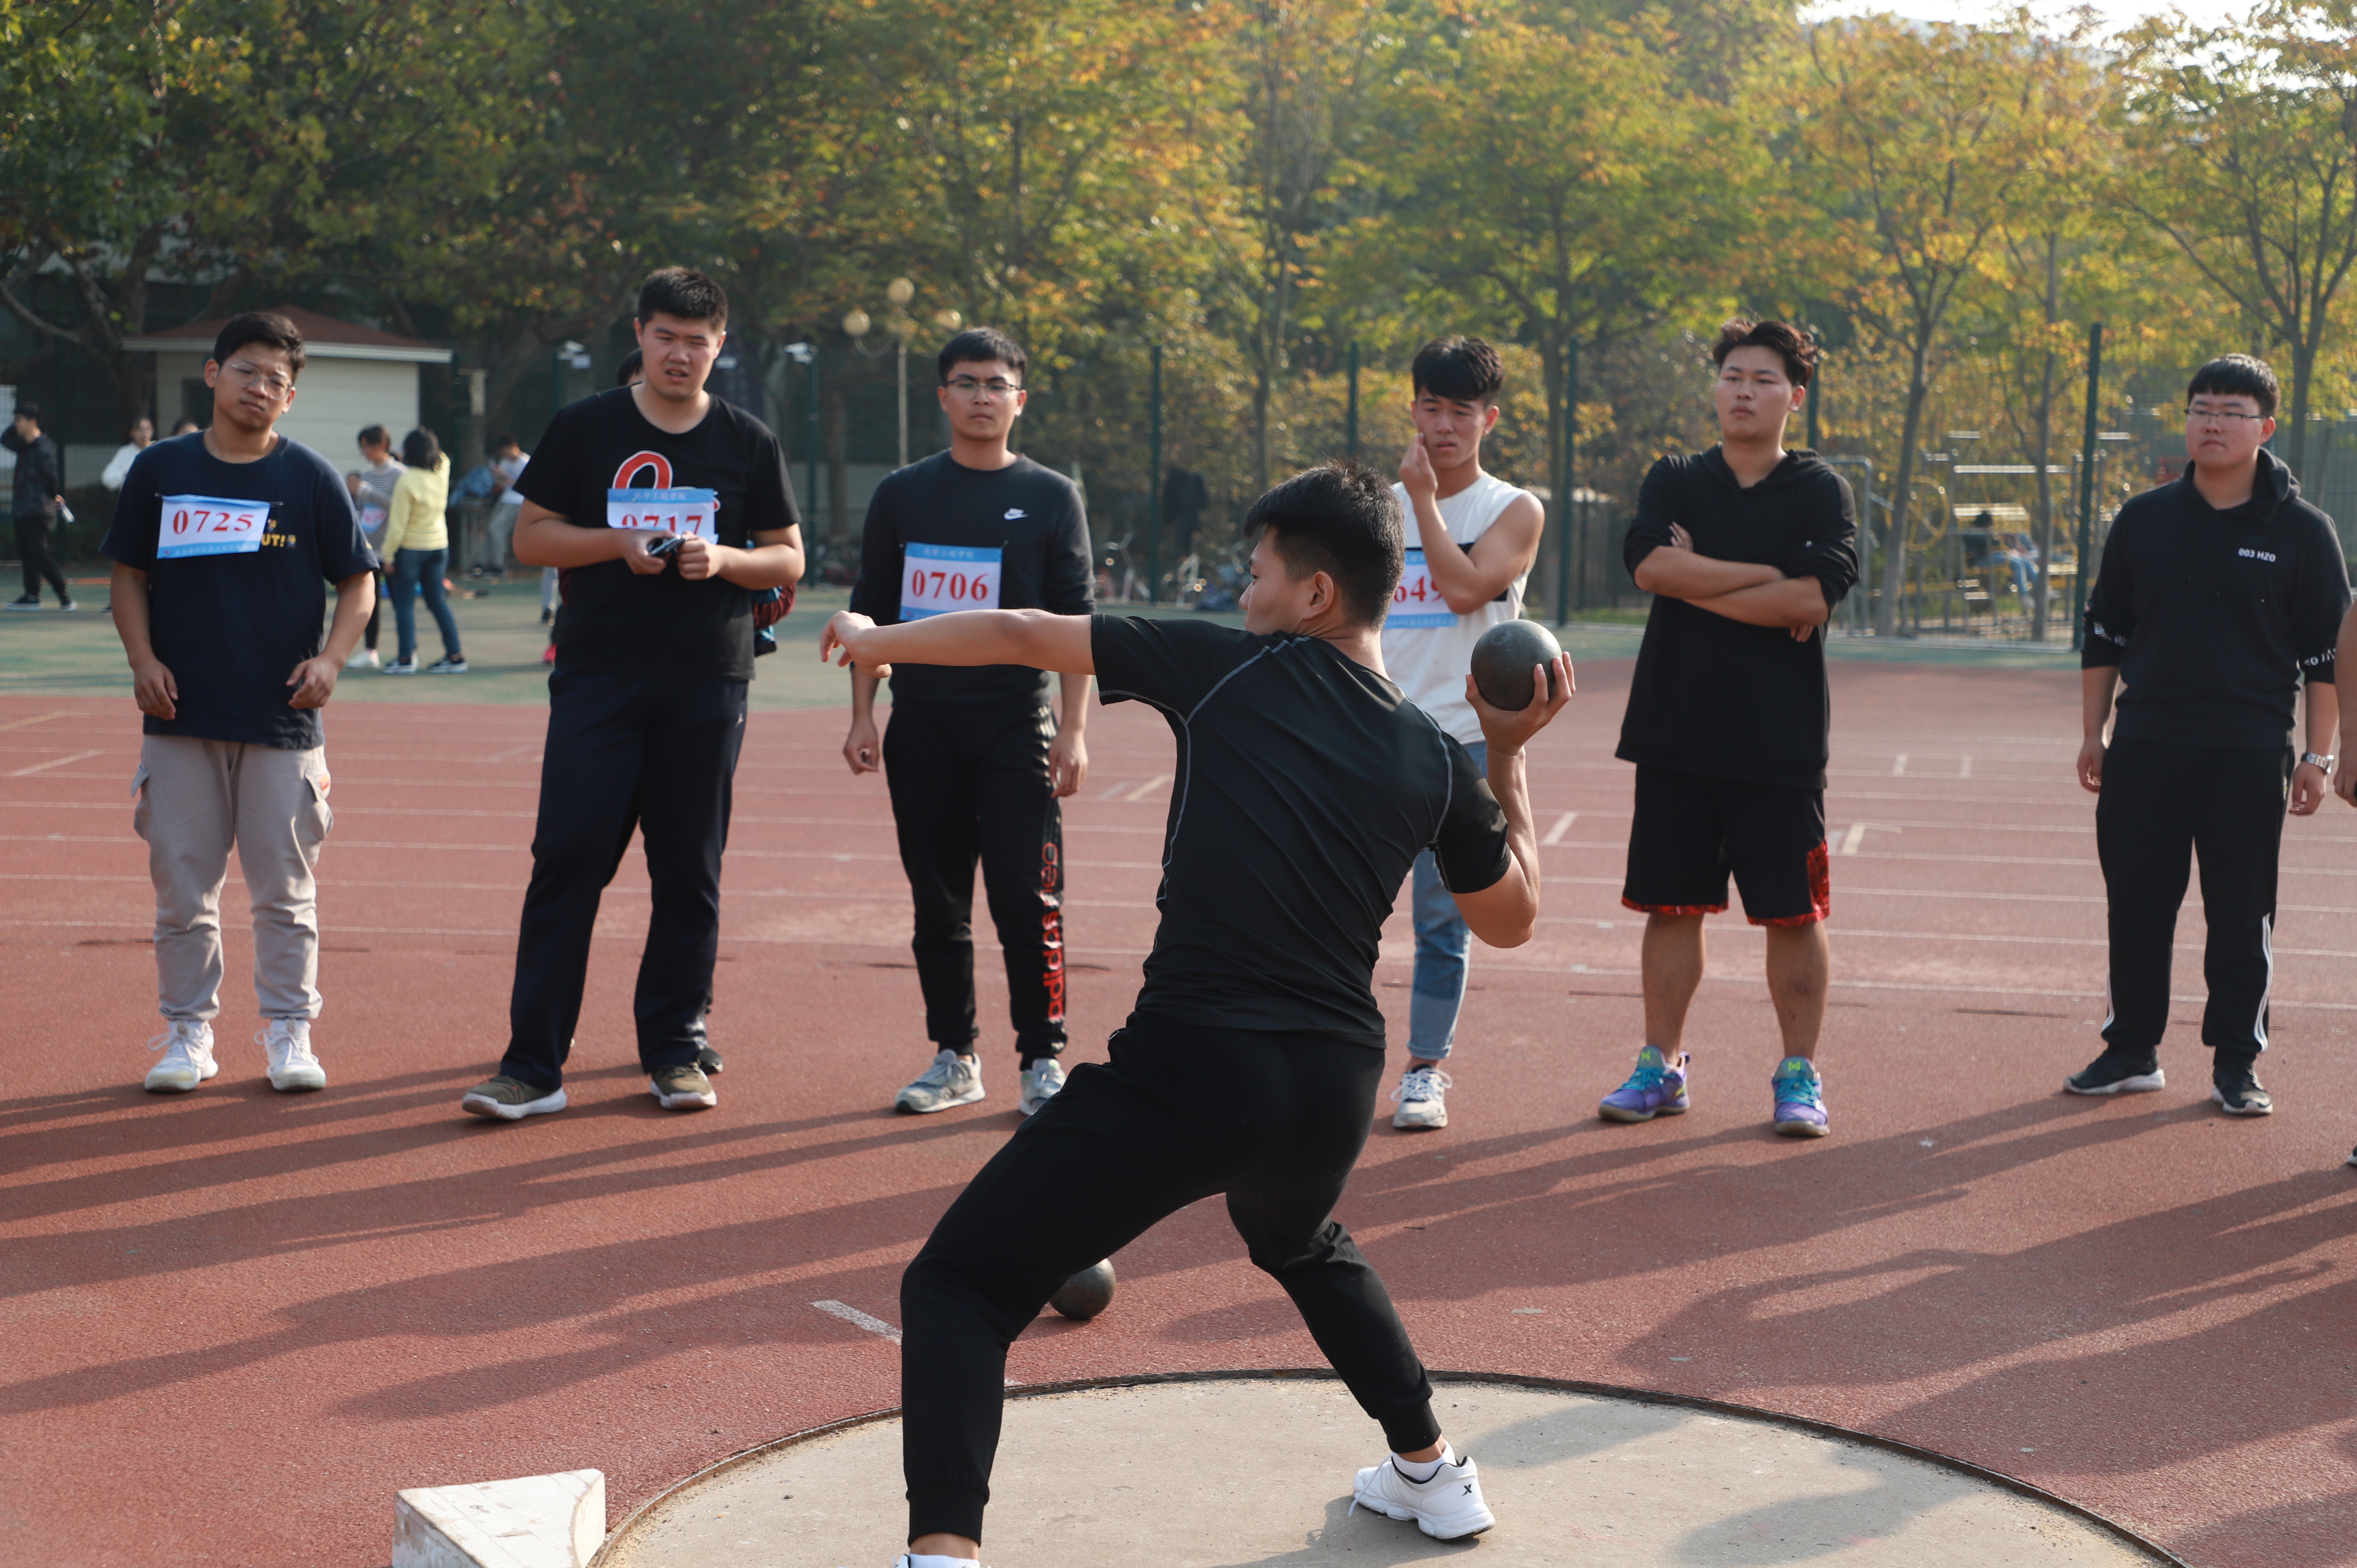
(210, 525)
(939, 578)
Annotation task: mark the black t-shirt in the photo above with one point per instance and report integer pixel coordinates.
(1307, 786)
(941, 535)
(237, 605)
(616, 622)
(1716, 696)
(2214, 617)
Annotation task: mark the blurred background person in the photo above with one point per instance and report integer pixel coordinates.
(39, 493)
(371, 490)
(508, 459)
(417, 542)
(118, 468)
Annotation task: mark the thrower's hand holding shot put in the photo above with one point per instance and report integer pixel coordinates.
(1308, 783)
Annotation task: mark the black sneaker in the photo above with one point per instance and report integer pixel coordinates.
(2235, 1089)
(449, 665)
(2118, 1072)
(709, 1061)
(28, 602)
(681, 1088)
(67, 605)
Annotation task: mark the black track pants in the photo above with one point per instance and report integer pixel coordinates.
(971, 785)
(1121, 1147)
(33, 550)
(2160, 805)
(624, 753)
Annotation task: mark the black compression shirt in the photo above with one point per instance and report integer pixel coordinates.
(616, 621)
(1306, 784)
(941, 536)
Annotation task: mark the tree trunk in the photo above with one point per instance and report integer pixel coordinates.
(1894, 554)
(2042, 578)
(2303, 370)
(1558, 512)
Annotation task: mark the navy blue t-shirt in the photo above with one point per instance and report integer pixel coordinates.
(231, 624)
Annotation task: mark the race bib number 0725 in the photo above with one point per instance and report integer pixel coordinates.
(684, 511)
(210, 525)
(1416, 602)
(939, 578)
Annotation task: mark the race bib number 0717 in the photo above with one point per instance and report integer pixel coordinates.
(666, 511)
(1416, 602)
(939, 578)
(209, 525)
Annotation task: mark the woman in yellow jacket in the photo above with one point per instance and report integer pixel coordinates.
(418, 548)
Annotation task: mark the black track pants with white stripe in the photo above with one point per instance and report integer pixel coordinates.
(2161, 805)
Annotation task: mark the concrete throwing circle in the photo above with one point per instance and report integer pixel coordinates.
(1226, 1472)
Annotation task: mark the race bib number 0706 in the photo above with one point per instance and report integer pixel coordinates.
(939, 578)
(1416, 602)
(209, 525)
(666, 511)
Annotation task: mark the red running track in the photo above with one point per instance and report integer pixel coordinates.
(238, 1321)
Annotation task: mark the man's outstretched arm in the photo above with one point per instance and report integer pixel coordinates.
(1035, 637)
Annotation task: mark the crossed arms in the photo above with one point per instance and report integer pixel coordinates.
(1748, 591)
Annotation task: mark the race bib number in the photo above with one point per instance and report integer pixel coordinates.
(939, 578)
(666, 511)
(373, 519)
(1416, 602)
(209, 525)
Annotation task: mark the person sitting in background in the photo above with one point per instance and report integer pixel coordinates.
(118, 468)
(417, 542)
(372, 491)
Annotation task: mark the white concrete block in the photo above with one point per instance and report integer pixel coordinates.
(532, 1521)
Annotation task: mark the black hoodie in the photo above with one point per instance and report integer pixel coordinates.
(1717, 696)
(2213, 616)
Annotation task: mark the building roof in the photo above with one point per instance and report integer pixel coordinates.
(324, 337)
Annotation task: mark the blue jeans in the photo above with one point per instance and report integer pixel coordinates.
(413, 570)
(1441, 944)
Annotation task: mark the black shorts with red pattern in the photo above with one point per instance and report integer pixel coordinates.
(1691, 832)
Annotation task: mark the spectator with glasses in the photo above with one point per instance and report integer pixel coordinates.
(974, 761)
(2219, 599)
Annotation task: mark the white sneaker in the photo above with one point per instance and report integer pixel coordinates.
(1447, 1508)
(361, 659)
(288, 1043)
(953, 1079)
(1419, 1097)
(188, 1047)
(1041, 1081)
(401, 667)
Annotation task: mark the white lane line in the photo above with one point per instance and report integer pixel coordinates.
(1965, 769)
(1562, 825)
(1852, 839)
(1148, 787)
(858, 1319)
(53, 762)
(1899, 765)
(35, 719)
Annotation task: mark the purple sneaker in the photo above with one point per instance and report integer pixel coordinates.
(1655, 1088)
(1800, 1099)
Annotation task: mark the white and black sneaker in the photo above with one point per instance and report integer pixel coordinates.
(1422, 1097)
(2118, 1072)
(953, 1079)
(448, 665)
(2235, 1089)
(1042, 1081)
(1446, 1504)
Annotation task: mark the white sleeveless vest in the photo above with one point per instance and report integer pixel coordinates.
(1426, 648)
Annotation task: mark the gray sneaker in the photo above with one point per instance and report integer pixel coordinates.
(953, 1079)
(681, 1088)
(511, 1098)
(1041, 1081)
(1421, 1099)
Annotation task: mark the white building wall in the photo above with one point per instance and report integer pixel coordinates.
(333, 399)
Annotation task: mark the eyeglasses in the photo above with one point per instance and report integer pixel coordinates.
(994, 389)
(2228, 417)
(253, 375)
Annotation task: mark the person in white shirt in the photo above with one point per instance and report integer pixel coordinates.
(118, 468)
(508, 459)
(1472, 540)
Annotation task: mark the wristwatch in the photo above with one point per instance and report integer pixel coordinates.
(2316, 759)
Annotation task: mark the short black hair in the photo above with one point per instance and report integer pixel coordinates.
(420, 447)
(1461, 369)
(266, 328)
(1340, 518)
(30, 410)
(2237, 375)
(634, 364)
(683, 292)
(1798, 349)
(980, 345)
(375, 436)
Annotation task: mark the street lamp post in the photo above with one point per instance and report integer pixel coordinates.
(902, 326)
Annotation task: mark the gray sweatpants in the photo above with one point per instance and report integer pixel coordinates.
(196, 800)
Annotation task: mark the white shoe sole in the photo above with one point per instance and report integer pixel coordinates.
(1454, 1530)
(175, 1080)
(2142, 1083)
(1419, 1122)
(910, 1108)
(703, 1101)
(482, 1105)
(296, 1080)
(2218, 1099)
